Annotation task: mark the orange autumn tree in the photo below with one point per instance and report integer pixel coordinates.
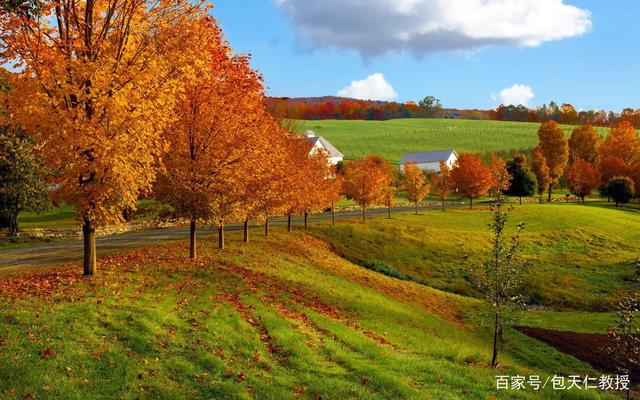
(609, 168)
(415, 183)
(619, 154)
(267, 191)
(622, 142)
(310, 183)
(98, 81)
(330, 189)
(365, 181)
(500, 177)
(582, 178)
(389, 198)
(442, 184)
(294, 181)
(321, 187)
(584, 144)
(220, 136)
(554, 148)
(471, 177)
(541, 172)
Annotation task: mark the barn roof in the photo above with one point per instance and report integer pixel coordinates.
(427, 156)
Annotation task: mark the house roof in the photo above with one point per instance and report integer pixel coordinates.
(324, 143)
(427, 157)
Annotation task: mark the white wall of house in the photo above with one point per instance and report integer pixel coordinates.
(318, 146)
(435, 166)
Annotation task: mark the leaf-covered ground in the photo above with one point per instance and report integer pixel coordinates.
(283, 317)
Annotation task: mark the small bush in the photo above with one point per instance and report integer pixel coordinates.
(620, 189)
(386, 269)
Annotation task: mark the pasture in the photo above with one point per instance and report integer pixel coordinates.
(391, 139)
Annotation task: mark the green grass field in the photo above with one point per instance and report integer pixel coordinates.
(64, 216)
(283, 318)
(391, 139)
(581, 254)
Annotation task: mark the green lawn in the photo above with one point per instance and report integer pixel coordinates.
(391, 139)
(64, 216)
(281, 318)
(581, 255)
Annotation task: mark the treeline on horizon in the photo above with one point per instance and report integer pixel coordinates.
(350, 109)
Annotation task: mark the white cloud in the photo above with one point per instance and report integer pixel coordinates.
(375, 27)
(516, 94)
(374, 87)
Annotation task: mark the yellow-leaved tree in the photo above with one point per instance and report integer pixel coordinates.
(366, 181)
(415, 183)
(442, 183)
(554, 149)
(96, 84)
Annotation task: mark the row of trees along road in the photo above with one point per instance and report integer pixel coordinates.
(611, 165)
(373, 181)
(128, 94)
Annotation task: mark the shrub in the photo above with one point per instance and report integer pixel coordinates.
(620, 189)
(386, 269)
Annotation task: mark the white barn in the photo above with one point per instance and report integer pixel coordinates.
(319, 143)
(430, 161)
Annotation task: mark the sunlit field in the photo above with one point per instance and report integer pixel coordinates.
(391, 139)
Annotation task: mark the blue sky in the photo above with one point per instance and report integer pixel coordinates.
(585, 52)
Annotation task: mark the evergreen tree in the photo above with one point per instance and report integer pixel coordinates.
(522, 181)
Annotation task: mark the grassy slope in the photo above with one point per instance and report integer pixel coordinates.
(581, 254)
(283, 318)
(393, 138)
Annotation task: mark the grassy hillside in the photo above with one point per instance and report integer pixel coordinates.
(282, 318)
(581, 254)
(393, 138)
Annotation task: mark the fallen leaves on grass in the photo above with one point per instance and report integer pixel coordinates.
(47, 353)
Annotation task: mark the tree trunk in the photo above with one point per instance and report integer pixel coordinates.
(192, 239)
(288, 222)
(246, 231)
(364, 214)
(416, 205)
(470, 203)
(266, 226)
(221, 236)
(549, 197)
(89, 238)
(333, 215)
(389, 212)
(520, 200)
(443, 204)
(306, 220)
(496, 327)
(13, 225)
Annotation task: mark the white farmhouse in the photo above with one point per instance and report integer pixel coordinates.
(319, 143)
(430, 161)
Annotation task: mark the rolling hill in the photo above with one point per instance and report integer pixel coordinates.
(581, 256)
